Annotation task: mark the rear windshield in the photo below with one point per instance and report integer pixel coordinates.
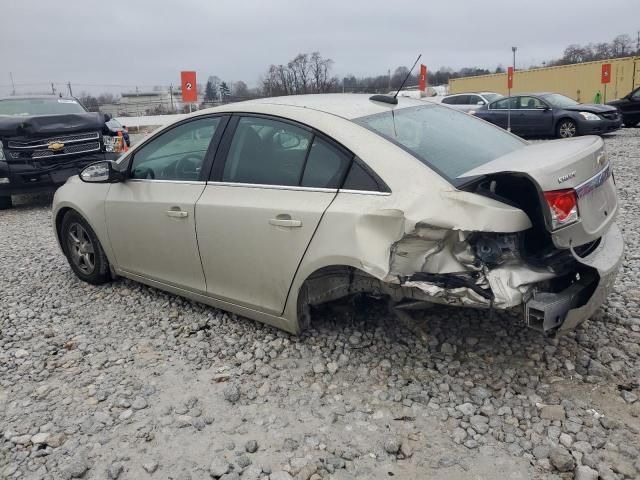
(39, 106)
(448, 141)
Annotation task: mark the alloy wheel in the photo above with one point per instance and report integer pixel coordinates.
(81, 248)
(567, 129)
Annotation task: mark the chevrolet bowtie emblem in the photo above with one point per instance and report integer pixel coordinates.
(56, 146)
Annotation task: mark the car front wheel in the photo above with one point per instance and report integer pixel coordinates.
(567, 129)
(83, 250)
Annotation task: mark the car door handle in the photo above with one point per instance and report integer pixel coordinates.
(285, 221)
(175, 213)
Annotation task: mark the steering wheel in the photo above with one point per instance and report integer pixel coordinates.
(145, 173)
(177, 170)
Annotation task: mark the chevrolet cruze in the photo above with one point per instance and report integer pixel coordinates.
(266, 208)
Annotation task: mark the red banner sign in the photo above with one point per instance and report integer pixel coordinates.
(423, 78)
(510, 78)
(189, 89)
(606, 73)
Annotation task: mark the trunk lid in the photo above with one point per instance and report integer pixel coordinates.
(577, 163)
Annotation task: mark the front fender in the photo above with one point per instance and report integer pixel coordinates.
(88, 200)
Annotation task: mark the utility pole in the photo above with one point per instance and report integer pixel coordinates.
(389, 76)
(513, 49)
(53, 89)
(70, 91)
(171, 96)
(13, 85)
(137, 103)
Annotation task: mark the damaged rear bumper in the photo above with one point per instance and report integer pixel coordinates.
(605, 261)
(565, 310)
(520, 285)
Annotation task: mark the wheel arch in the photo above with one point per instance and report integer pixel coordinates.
(97, 225)
(327, 281)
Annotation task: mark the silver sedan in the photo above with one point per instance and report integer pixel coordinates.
(270, 207)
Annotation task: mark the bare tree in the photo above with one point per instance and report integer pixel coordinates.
(622, 45)
(240, 89)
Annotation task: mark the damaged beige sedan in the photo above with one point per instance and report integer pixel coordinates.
(266, 208)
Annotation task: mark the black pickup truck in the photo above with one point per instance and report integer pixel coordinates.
(46, 139)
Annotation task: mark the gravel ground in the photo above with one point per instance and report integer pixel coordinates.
(125, 381)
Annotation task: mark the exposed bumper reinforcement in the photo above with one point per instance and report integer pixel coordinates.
(567, 309)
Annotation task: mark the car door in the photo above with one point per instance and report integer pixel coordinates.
(271, 183)
(498, 112)
(532, 117)
(151, 215)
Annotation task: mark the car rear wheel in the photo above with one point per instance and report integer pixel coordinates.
(83, 250)
(566, 129)
(5, 202)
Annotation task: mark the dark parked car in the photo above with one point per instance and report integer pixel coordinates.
(550, 114)
(46, 139)
(629, 106)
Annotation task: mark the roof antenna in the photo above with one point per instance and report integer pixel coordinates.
(394, 100)
(408, 75)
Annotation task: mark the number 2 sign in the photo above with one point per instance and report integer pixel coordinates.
(189, 89)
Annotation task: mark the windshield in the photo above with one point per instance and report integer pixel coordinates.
(492, 96)
(39, 106)
(560, 101)
(448, 141)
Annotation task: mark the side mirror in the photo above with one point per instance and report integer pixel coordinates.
(101, 172)
(480, 102)
(107, 117)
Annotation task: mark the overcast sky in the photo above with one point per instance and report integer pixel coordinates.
(115, 45)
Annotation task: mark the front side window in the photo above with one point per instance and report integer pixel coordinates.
(530, 103)
(266, 152)
(177, 154)
(636, 95)
(449, 142)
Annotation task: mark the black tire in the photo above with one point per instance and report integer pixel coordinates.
(566, 128)
(5, 202)
(83, 250)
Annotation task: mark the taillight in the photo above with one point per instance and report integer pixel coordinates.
(563, 205)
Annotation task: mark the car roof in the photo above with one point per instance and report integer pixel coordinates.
(470, 93)
(532, 94)
(345, 105)
(37, 97)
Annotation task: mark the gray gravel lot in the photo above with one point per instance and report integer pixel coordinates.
(125, 381)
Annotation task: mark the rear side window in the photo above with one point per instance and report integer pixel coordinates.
(359, 178)
(449, 100)
(266, 152)
(449, 142)
(325, 166)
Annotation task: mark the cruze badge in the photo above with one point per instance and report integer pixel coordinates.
(566, 177)
(55, 146)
